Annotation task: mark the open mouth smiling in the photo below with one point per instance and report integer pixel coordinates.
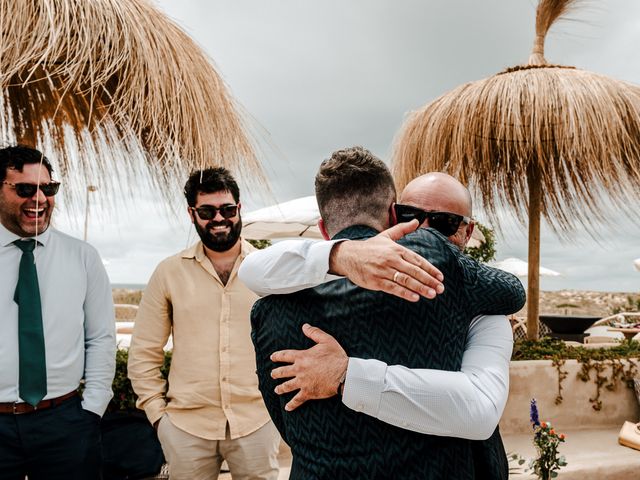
(34, 213)
(219, 228)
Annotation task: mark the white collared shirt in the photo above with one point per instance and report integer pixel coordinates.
(77, 317)
(464, 404)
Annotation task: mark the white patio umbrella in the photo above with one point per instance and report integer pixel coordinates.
(520, 268)
(298, 218)
(636, 263)
(295, 218)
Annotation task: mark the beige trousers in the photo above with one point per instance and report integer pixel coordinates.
(252, 457)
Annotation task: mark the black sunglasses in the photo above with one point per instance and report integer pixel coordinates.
(28, 190)
(208, 212)
(444, 222)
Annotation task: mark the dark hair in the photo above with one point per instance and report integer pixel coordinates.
(210, 180)
(354, 187)
(18, 156)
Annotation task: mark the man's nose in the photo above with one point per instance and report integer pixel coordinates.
(39, 196)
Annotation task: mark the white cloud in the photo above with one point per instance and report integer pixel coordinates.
(317, 76)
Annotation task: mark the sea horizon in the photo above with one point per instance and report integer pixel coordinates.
(129, 286)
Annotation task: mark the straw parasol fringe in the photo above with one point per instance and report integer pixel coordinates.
(127, 81)
(578, 129)
(547, 13)
(544, 139)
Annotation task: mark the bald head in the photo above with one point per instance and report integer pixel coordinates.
(439, 192)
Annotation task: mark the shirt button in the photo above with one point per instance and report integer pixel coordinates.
(224, 349)
(224, 379)
(226, 407)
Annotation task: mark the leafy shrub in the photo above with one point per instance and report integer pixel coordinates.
(597, 361)
(260, 244)
(546, 440)
(487, 251)
(552, 348)
(123, 396)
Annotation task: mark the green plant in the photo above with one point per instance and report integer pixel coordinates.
(546, 441)
(487, 251)
(562, 374)
(515, 463)
(599, 361)
(619, 372)
(123, 396)
(550, 348)
(260, 244)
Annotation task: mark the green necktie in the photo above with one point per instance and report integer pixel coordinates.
(33, 369)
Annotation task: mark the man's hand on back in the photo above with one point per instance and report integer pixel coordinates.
(379, 263)
(316, 372)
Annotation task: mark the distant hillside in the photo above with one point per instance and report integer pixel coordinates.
(577, 302)
(580, 302)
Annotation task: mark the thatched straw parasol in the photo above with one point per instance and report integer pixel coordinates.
(102, 84)
(543, 139)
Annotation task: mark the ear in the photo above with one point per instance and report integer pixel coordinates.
(469, 231)
(239, 206)
(191, 214)
(323, 229)
(393, 219)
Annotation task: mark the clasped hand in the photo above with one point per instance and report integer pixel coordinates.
(316, 372)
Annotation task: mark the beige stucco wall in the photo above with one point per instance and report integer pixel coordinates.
(539, 379)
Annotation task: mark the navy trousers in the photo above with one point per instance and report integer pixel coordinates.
(59, 443)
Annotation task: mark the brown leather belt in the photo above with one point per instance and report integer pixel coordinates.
(22, 407)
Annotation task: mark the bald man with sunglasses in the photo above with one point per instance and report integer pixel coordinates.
(403, 397)
(58, 330)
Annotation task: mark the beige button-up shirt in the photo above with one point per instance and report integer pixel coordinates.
(212, 379)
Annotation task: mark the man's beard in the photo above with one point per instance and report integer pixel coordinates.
(219, 242)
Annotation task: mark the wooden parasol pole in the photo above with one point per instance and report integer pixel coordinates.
(533, 294)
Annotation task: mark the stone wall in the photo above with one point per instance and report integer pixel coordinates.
(539, 379)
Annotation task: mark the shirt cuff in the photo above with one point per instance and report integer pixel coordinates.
(96, 401)
(364, 385)
(318, 257)
(155, 409)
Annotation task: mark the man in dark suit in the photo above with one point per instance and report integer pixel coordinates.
(355, 194)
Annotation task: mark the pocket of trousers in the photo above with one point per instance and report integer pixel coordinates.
(164, 418)
(94, 417)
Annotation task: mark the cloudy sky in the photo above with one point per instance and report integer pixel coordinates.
(315, 76)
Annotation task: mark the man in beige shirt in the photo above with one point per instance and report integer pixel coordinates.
(212, 409)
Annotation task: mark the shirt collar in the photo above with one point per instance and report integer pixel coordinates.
(197, 250)
(356, 232)
(7, 237)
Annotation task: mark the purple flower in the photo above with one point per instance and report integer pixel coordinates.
(533, 414)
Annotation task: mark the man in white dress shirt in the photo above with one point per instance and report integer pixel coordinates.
(479, 391)
(466, 404)
(472, 400)
(58, 329)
